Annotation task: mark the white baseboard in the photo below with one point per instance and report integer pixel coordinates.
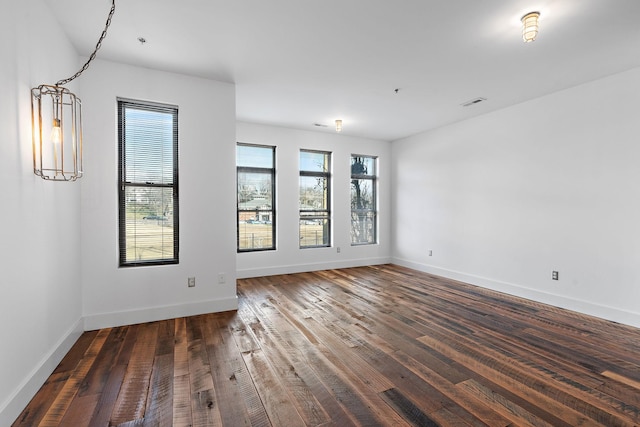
(132, 317)
(18, 400)
(303, 268)
(584, 307)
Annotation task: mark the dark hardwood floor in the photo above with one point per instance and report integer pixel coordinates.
(368, 346)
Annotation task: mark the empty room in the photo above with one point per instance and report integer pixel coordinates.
(340, 213)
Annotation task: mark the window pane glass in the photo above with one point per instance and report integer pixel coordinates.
(314, 162)
(363, 200)
(313, 193)
(361, 165)
(255, 230)
(254, 190)
(314, 201)
(149, 146)
(314, 232)
(256, 174)
(252, 156)
(147, 189)
(362, 195)
(148, 223)
(363, 227)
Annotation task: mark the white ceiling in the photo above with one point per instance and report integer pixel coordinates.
(300, 62)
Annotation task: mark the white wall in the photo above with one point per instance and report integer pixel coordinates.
(40, 305)
(550, 184)
(206, 120)
(289, 258)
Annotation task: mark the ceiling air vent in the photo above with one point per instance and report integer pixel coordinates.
(473, 102)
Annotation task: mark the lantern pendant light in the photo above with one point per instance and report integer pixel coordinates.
(56, 133)
(56, 125)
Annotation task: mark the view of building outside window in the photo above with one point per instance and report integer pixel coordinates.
(363, 200)
(256, 196)
(315, 199)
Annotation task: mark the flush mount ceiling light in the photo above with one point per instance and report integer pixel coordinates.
(530, 26)
(56, 125)
(338, 125)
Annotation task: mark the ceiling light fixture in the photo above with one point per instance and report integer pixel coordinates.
(530, 26)
(338, 125)
(56, 125)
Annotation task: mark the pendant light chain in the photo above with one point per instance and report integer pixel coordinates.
(98, 45)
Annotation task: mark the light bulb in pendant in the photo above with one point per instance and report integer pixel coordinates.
(56, 132)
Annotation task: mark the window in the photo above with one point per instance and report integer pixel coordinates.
(148, 183)
(315, 199)
(363, 200)
(256, 175)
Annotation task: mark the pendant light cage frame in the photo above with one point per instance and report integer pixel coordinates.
(56, 133)
(56, 124)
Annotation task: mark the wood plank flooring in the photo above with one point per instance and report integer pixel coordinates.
(367, 346)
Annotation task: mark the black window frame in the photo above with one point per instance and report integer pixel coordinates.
(320, 214)
(358, 174)
(240, 212)
(122, 105)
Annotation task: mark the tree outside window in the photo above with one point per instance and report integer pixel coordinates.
(363, 200)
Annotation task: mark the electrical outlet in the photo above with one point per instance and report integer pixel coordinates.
(430, 252)
(338, 249)
(221, 279)
(191, 282)
(554, 275)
